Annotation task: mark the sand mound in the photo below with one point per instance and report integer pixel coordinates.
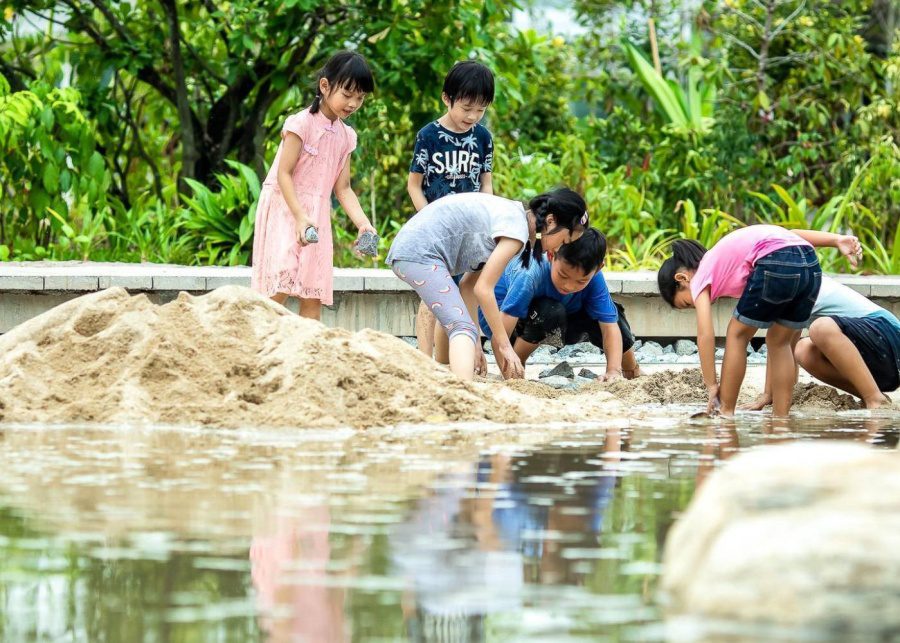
(665, 387)
(232, 358)
(818, 396)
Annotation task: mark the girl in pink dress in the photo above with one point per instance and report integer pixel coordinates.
(313, 160)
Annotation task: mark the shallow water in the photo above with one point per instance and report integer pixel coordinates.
(438, 533)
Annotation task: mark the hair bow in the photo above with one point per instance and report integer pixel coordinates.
(584, 218)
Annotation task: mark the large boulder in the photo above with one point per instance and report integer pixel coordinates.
(800, 535)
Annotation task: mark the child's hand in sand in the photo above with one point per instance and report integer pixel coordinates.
(481, 367)
(631, 373)
(762, 401)
(509, 363)
(713, 404)
(850, 247)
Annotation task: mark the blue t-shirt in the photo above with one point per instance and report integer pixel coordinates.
(518, 287)
(450, 162)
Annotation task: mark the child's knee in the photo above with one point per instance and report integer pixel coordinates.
(803, 351)
(462, 327)
(823, 329)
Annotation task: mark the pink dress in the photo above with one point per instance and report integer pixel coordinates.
(280, 264)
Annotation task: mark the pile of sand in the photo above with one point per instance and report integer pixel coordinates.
(665, 387)
(818, 396)
(232, 358)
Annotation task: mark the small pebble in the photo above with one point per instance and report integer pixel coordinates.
(587, 374)
(312, 235)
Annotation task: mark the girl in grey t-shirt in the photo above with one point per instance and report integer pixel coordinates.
(477, 234)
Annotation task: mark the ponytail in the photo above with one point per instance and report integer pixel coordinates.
(568, 209)
(686, 255)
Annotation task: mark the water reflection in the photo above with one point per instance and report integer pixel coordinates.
(448, 533)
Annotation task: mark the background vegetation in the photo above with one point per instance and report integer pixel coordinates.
(137, 131)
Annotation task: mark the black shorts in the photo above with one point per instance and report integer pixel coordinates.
(874, 338)
(547, 317)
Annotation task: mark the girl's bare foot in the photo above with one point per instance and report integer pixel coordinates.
(881, 402)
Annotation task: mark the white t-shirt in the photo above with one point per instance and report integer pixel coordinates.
(460, 231)
(836, 299)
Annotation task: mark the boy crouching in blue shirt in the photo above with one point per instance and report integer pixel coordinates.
(566, 298)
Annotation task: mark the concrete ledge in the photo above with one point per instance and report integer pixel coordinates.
(363, 297)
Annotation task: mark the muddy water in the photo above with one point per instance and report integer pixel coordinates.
(446, 534)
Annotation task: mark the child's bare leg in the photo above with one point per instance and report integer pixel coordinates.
(462, 356)
(734, 365)
(845, 362)
(311, 308)
(524, 349)
(279, 297)
(425, 329)
(816, 364)
(630, 366)
(783, 373)
(441, 345)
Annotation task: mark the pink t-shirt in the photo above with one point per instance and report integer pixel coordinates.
(726, 267)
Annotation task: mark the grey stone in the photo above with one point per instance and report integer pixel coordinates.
(563, 369)
(685, 347)
(720, 353)
(763, 350)
(652, 349)
(687, 359)
(488, 348)
(666, 358)
(412, 341)
(588, 348)
(312, 235)
(637, 345)
(587, 374)
(545, 349)
(750, 350)
(756, 358)
(558, 382)
(668, 349)
(368, 243)
(539, 358)
(581, 381)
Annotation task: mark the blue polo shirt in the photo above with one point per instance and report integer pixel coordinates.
(518, 287)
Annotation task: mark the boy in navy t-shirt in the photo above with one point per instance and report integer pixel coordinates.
(453, 154)
(566, 296)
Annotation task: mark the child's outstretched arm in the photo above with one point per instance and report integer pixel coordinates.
(509, 363)
(706, 344)
(848, 245)
(349, 201)
(414, 188)
(612, 348)
(290, 154)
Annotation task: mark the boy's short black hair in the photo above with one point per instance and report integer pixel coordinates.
(470, 80)
(587, 252)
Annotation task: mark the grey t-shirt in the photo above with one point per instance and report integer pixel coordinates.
(459, 230)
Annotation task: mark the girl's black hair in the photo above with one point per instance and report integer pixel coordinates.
(586, 253)
(347, 70)
(686, 255)
(568, 209)
(469, 80)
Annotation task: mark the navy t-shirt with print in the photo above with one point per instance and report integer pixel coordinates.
(518, 287)
(450, 162)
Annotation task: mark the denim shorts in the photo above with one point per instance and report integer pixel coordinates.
(548, 317)
(781, 289)
(875, 338)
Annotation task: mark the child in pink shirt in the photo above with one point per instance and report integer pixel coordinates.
(775, 275)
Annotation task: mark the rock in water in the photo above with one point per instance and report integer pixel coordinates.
(802, 535)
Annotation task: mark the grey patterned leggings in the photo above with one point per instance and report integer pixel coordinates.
(434, 284)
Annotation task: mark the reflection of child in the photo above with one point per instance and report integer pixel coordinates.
(453, 154)
(567, 297)
(853, 344)
(291, 611)
(313, 160)
(478, 234)
(775, 274)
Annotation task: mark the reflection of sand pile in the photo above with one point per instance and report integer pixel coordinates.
(229, 358)
(818, 396)
(665, 387)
